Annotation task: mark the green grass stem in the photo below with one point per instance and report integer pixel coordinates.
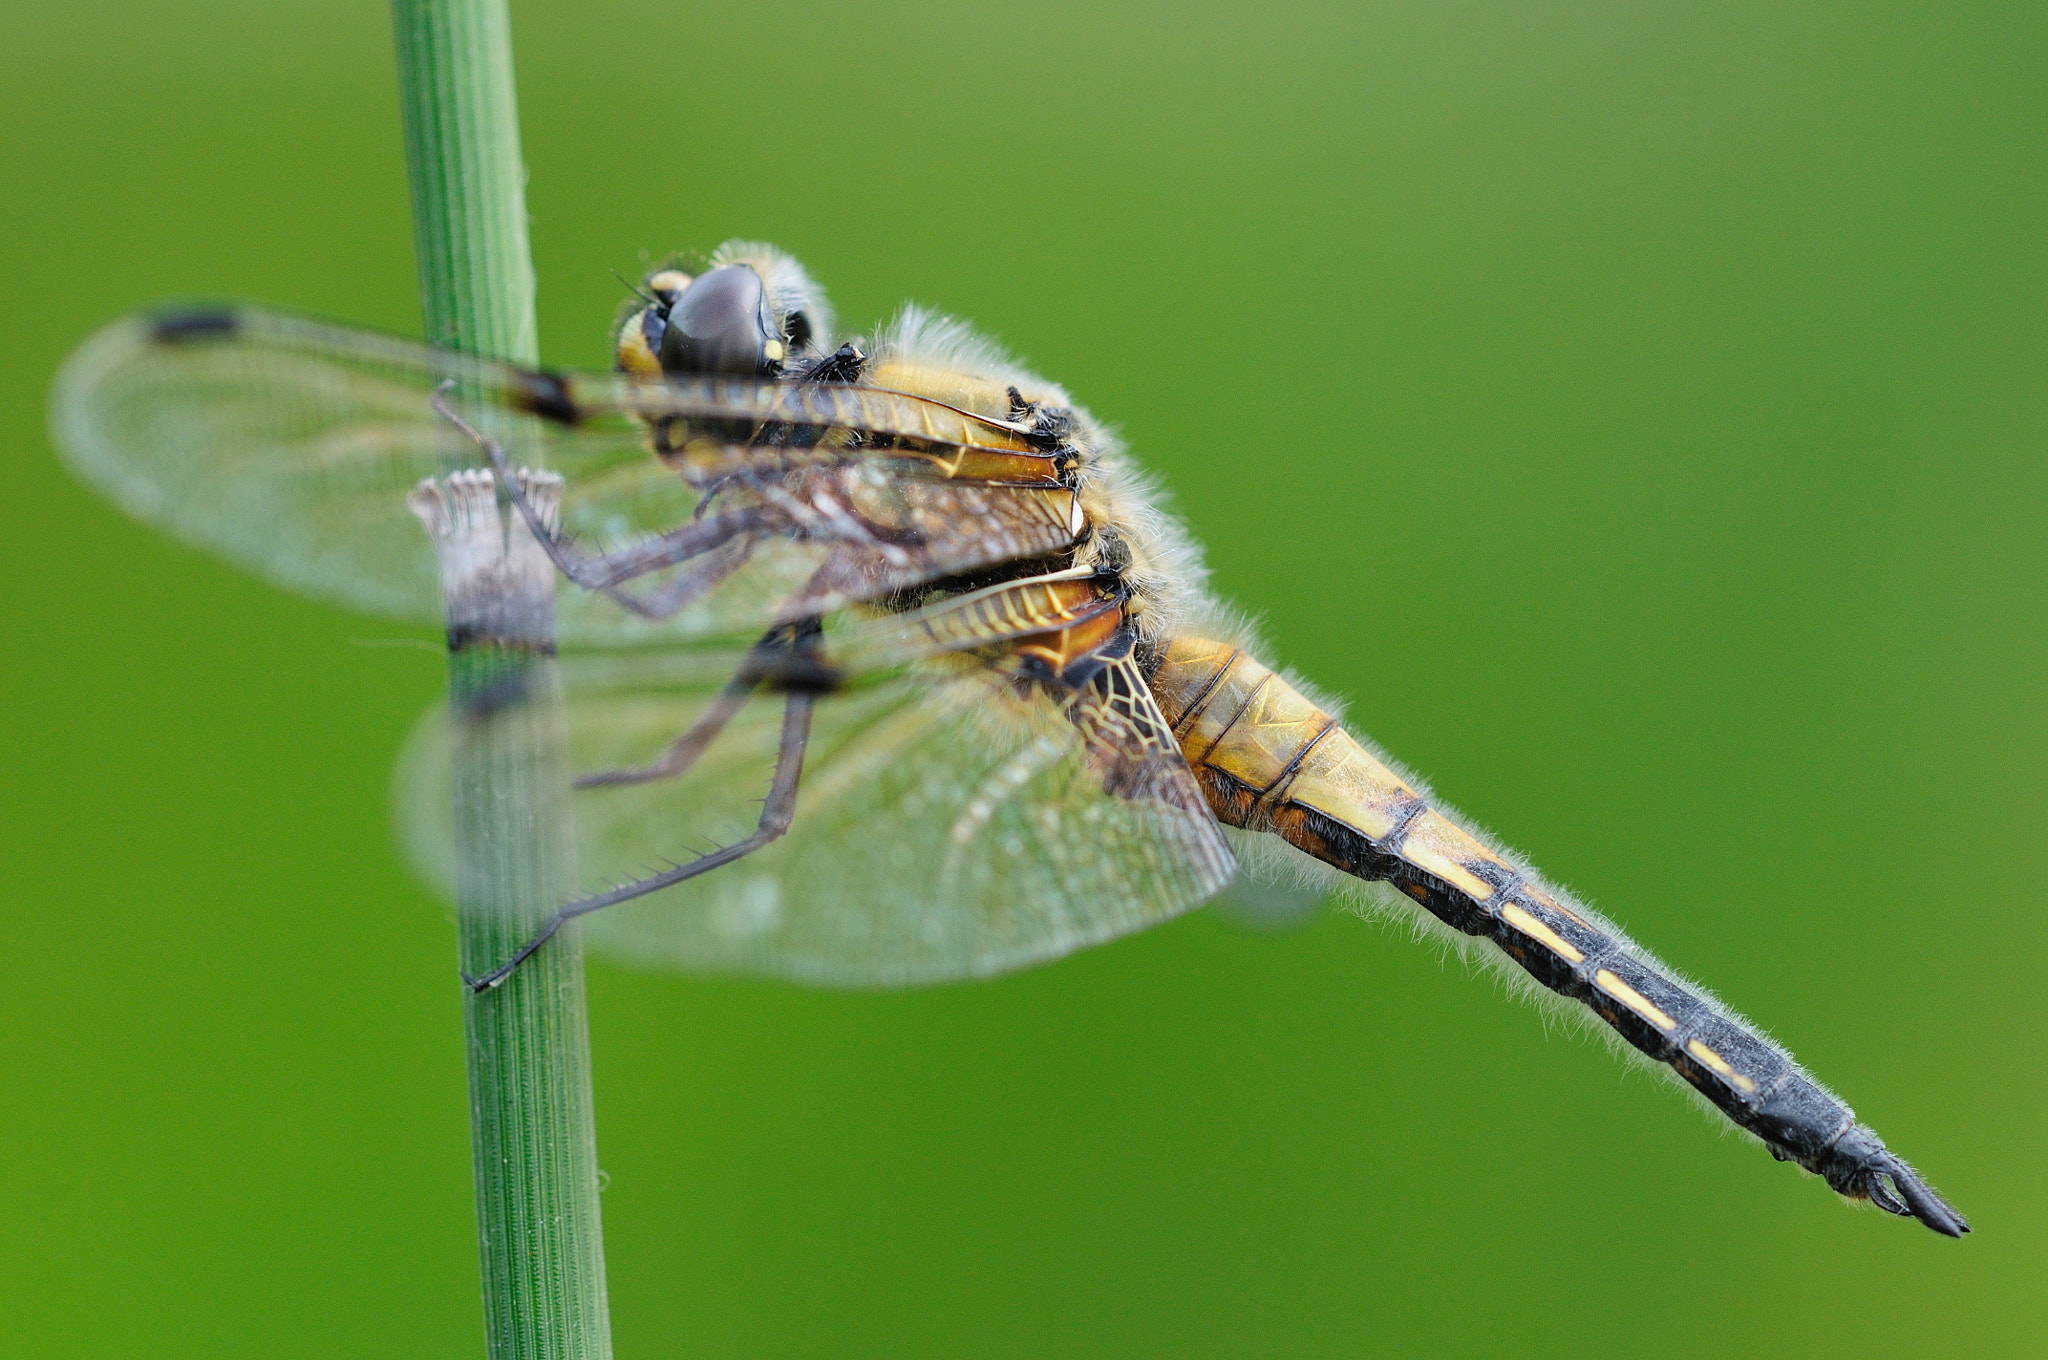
(534, 1138)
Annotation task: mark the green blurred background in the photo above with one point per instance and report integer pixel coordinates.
(1636, 410)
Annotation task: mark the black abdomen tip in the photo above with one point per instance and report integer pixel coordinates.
(1859, 1164)
(1930, 1208)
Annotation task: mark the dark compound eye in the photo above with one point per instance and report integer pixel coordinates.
(722, 324)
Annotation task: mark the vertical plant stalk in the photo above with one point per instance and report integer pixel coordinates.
(533, 1133)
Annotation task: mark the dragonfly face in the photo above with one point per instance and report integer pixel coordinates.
(908, 589)
(753, 312)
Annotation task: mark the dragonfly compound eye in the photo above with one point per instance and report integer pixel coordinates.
(722, 323)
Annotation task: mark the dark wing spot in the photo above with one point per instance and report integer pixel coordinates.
(177, 328)
(546, 395)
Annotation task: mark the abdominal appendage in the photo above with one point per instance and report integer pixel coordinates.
(1270, 761)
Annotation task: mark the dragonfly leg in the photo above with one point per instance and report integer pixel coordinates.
(723, 531)
(771, 657)
(777, 811)
(606, 572)
(689, 585)
(682, 753)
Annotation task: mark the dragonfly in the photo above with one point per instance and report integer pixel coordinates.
(882, 647)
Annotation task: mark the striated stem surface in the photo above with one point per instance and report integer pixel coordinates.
(534, 1137)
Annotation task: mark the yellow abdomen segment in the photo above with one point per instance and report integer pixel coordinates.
(1272, 761)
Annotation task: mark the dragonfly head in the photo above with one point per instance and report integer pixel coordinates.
(722, 323)
(746, 316)
(717, 323)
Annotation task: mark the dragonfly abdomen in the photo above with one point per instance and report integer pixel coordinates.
(1269, 760)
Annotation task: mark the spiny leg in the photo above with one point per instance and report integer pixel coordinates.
(682, 753)
(607, 572)
(776, 813)
(765, 659)
(689, 585)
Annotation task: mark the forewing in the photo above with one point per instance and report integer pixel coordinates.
(950, 823)
(234, 430)
(288, 446)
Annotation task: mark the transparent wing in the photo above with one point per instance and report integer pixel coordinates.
(288, 446)
(1268, 896)
(951, 821)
